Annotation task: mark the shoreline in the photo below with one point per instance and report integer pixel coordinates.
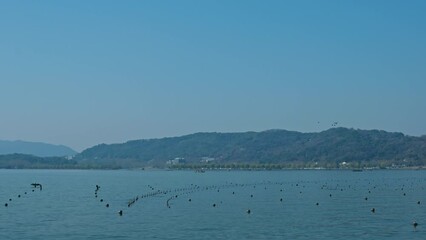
(202, 170)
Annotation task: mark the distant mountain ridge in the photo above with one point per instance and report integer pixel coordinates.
(271, 149)
(329, 148)
(35, 148)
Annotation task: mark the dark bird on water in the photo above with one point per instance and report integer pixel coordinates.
(373, 210)
(248, 211)
(415, 224)
(120, 212)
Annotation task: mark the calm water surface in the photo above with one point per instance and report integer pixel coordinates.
(67, 208)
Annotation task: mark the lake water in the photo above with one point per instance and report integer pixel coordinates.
(213, 205)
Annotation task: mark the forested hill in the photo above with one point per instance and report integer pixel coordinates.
(330, 148)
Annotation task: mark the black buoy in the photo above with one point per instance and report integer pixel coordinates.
(120, 212)
(6, 204)
(251, 195)
(102, 200)
(415, 224)
(107, 205)
(373, 210)
(317, 204)
(418, 202)
(404, 194)
(281, 199)
(25, 192)
(189, 200)
(248, 211)
(10, 199)
(214, 204)
(366, 198)
(19, 196)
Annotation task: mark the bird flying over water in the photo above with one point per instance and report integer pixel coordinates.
(37, 185)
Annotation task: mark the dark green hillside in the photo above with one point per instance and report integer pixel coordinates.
(284, 148)
(334, 148)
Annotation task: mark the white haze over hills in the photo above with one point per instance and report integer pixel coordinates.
(35, 148)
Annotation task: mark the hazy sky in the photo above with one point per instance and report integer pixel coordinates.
(80, 73)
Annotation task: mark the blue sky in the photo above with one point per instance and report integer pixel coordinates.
(81, 73)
